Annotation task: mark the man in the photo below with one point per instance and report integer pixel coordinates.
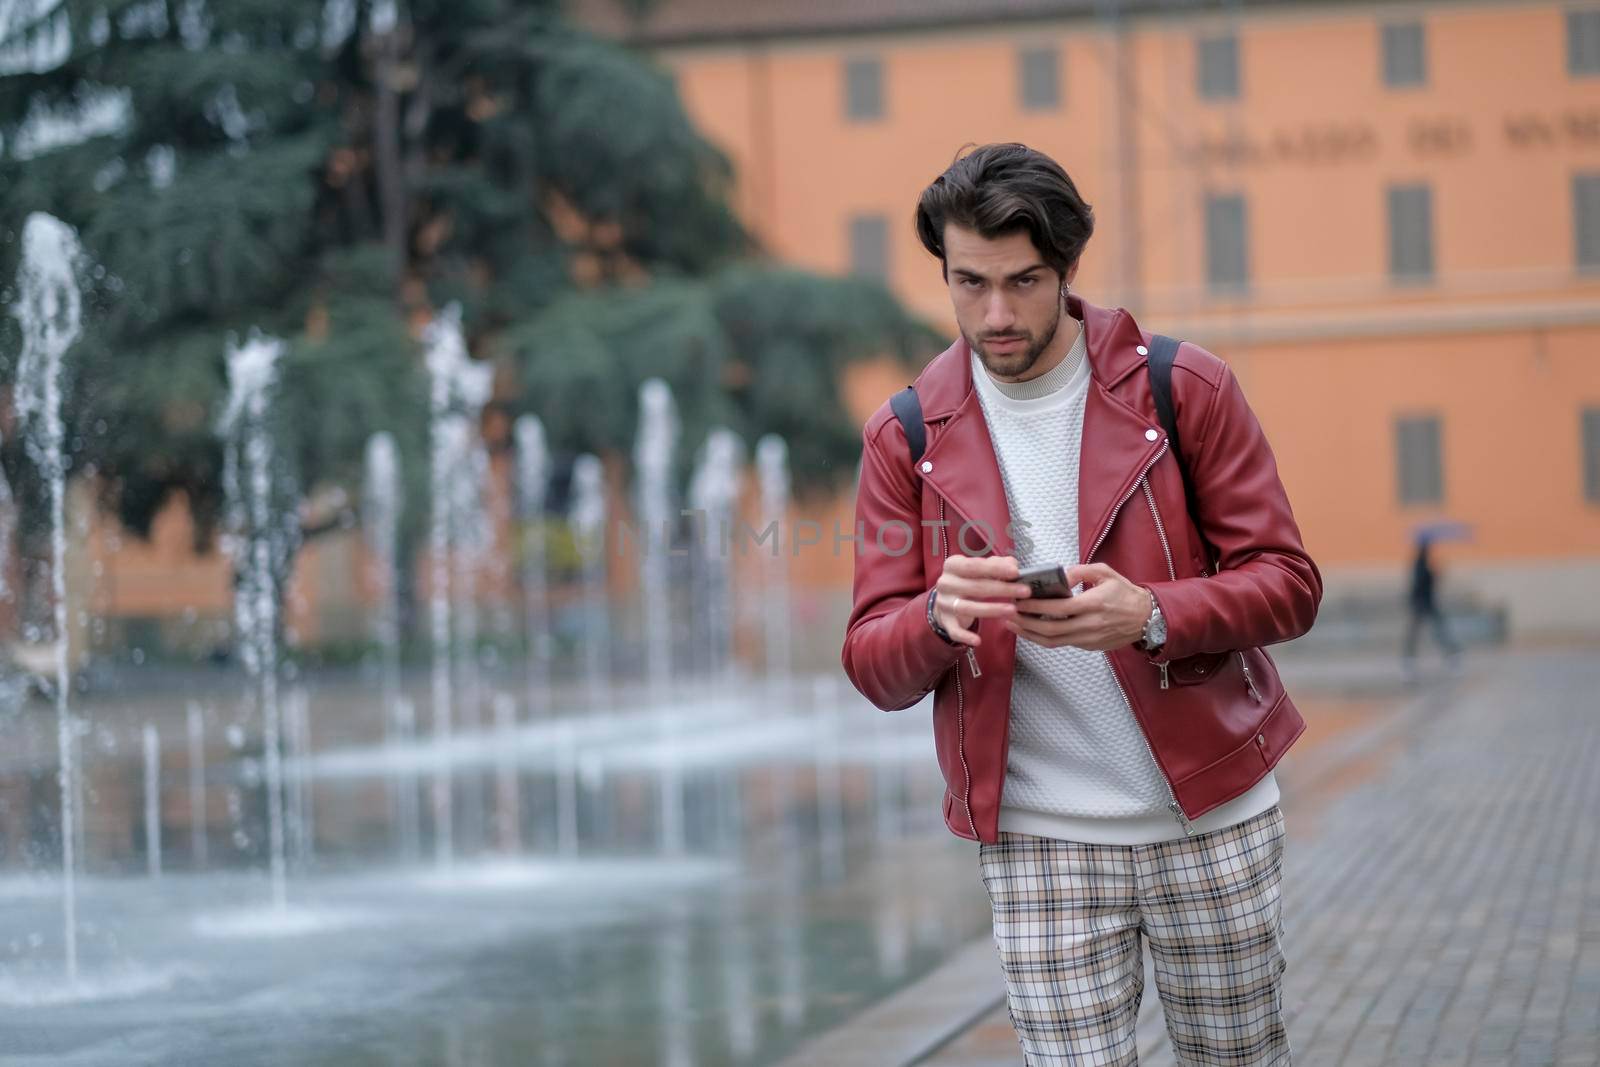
(1112, 751)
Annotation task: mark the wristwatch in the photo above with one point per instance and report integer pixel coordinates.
(933, 620)
(1155, 628)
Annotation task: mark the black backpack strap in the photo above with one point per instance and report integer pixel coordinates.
(1163, 351)
(908, 409)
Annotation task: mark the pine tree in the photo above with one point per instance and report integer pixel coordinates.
(331, 171)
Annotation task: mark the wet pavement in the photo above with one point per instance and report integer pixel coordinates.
(1441, 885)
(816, 895)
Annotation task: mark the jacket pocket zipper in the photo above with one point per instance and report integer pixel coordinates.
(1249, 679)
(1166, 548)
(961, 703)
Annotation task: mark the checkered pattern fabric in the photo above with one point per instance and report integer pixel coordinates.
(1070, 920)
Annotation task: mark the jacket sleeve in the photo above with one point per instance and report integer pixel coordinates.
(1266, 588)
(890, 653)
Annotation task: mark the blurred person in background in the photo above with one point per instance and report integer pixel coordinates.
(1110, 744)
(1423, 606)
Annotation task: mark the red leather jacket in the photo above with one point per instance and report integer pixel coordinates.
(1211, 705)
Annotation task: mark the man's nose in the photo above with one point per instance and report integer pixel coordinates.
(997, 315)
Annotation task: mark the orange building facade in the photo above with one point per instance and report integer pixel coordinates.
(1385, 217)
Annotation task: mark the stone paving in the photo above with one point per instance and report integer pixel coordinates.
(1447, 910)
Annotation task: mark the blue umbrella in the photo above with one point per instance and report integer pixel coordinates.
(1440, 530)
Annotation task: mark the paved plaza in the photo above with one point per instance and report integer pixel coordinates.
(1442, 888)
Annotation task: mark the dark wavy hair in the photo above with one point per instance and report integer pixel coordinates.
(998, 189)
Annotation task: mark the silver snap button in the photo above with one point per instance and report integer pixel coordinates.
(927, 466)
(1142, 350)
(1150, 435)
(1261, 739)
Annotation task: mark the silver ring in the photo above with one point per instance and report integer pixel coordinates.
(955, 605)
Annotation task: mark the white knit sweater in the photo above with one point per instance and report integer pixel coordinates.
(1078, 768)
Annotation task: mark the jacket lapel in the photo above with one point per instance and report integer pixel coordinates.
(1116, 452)
(966, 473)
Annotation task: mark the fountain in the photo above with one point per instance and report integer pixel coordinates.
(652, 459)
(260, 534)
(381, 510)
(587, 518)
(714, 495)
(341, 819)
(49, 310)
(195, 720)
(152, 799)
(653, 462)
(533, 478)
(471, 539)
(8, 525)
(772, 474)
(302, 831)
(458, 389)
(508, 813)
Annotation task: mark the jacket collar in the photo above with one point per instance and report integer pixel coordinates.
(1118, 442)
(1109, 334)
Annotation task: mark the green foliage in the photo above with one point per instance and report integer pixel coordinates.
(754, 348)
(261, 170)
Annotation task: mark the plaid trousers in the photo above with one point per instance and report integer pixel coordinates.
(1069, 920)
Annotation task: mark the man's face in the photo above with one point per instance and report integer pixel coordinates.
(1007, 301)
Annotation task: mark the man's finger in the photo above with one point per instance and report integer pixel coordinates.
(1034, 625)
(1091, 574)
(1076, 633)
(986, 609)
(1055, 607)
(1003, 568)
(983, 589)
(961, 635)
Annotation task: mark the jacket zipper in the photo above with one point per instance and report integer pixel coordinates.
(1249, 679)
(1172, 572)
(1161, 532)
(1172, 795)
(961, 702)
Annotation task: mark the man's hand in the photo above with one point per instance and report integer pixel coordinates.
(976, 587)
(1110, 613)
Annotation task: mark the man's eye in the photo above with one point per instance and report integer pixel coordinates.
(1025, 282)
(972, 283)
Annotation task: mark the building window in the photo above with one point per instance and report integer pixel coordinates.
(869, 246)
(1583, 42)
(863, 89)
(1227, 243)
(1591, 455)
(1219, 67)
(1404, 61)
(1419, 460)
(1410, 233)
(1039, 77)
(1586, 219)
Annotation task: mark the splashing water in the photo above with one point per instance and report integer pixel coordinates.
(259, 542)
(458, 389)
(533, 479)
(49, 310)
(772, 473)
(714, 492)
(381, 509)
(8, 524)
(652, 457)
(587, 519)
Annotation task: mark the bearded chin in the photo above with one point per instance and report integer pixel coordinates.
(1029, 358)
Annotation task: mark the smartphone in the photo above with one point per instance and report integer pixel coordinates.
(1047, 580)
